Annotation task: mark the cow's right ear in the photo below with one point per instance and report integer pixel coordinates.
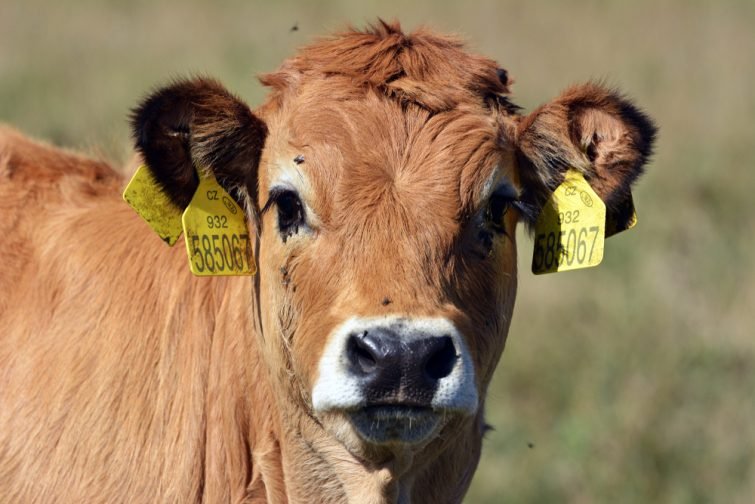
(198, 124)
(594, 130)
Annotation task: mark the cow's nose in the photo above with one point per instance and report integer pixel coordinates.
(399, 370)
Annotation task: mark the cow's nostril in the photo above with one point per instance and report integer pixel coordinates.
(365, 361)
(361, 355)
(442, 359)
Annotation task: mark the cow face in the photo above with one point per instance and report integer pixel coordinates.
(388, 244)
(385, 177)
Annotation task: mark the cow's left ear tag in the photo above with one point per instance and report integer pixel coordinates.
(147, 198)
(217, 239)
(571, 228)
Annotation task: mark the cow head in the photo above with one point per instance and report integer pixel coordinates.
(385, 176)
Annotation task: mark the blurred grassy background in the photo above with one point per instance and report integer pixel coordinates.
(631, 382)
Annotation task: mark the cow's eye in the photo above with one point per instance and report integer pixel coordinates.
(290, 212)
(496, 211)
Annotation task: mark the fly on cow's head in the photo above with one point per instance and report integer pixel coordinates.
(418, 169)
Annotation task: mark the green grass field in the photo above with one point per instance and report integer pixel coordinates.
(633, 382)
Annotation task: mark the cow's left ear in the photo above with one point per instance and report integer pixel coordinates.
(590, 128)
(198, 124)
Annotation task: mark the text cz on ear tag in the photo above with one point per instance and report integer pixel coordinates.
(570, 231)
(215, 232)
(147, 198)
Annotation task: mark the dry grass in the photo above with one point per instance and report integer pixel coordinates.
(632, 382)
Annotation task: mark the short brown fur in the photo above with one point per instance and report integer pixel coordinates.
(123, 377)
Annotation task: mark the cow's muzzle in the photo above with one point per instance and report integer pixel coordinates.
(396, 377)
(394, 369)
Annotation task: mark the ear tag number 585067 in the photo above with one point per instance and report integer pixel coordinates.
(217, 239)
(570, 231)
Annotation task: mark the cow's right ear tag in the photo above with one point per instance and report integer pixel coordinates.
(217, 239)
(147, 198)
(570, 231)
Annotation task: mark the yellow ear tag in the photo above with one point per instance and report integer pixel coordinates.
(145, 196)
(570, 231)
(217, 239)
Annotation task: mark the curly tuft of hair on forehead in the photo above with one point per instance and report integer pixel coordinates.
(422, 68)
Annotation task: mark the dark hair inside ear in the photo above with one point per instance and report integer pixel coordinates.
(162, 133)
(593, 129)
(194, 124)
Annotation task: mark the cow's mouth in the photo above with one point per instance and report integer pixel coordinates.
(395, 424)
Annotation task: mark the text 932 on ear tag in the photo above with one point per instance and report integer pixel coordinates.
(217, 239)
(570, 231)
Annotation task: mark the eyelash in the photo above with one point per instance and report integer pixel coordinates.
(291, 214)
(493, 222)
(497, 208)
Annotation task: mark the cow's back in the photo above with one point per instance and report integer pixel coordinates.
(35, 180)
(105, 341)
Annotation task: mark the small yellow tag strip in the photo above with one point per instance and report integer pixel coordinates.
(145, 196)
(217, 239)
(570, 231)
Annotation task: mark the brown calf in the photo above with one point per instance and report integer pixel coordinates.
(384, 178)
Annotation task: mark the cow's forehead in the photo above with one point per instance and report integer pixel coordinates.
(383, 112)
(346, 153)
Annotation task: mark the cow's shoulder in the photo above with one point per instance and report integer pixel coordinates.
(37, 182)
